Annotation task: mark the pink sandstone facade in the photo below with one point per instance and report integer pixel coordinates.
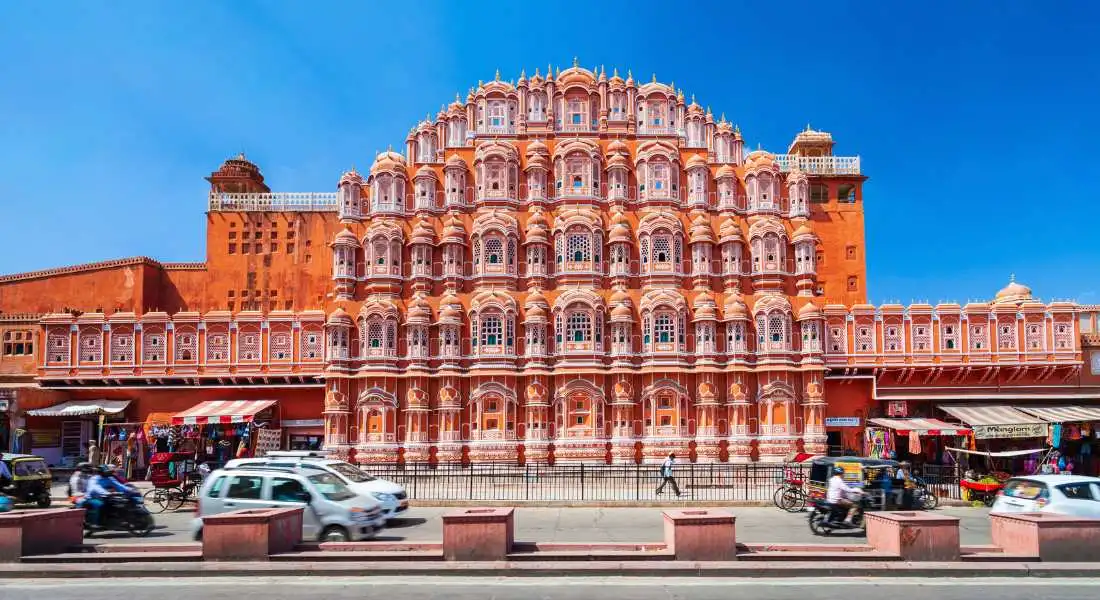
(576, 268)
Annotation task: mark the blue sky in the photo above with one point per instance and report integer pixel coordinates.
(976, 121)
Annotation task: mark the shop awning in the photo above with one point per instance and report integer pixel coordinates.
(81, 408)
(922, 426)
(222, 411)
(998, 422)
(1063, 414)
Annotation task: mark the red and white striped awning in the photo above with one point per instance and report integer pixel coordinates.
(1064, 414)
(922, 426)
(222, 411)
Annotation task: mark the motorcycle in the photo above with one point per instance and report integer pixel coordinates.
(121, 512)
(826, 518)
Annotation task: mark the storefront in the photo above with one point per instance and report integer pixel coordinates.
(922, 441)
(220, 430)
(63, 433)
(1074, 435)
(1004, 431)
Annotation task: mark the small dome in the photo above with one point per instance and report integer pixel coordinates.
(735, 307)
(535, 297)
(537, 161)
(419, 310)
(809, 311)
(725, 126)
(618, 147)
(537, 147)
(725, 171)
(618, 160)
(696, 161)
(535, 313)
(622, 312)
(619, 296)
(426, 171)
(346, 237)
(759, 159)
(455, 160)
(803, 232)
(576, 75)
(339, 317)
(351, 176)
(701, 231)
(453, 230)
(388, 161)
(1013, 292)
(730, 231)
(423, 233)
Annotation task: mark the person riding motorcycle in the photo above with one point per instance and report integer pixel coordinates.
(838, 495)
(78, 483)
(101, 485)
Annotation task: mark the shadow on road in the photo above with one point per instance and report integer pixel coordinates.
(398, 522)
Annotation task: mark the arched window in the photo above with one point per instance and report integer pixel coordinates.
(494, 251)
(579, 327)
(664, 328)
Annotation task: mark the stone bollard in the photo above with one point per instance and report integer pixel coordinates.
(701, 534)
(1052, 538)
(251, 534)
(478, 534)
(914, 536)
(37, 532)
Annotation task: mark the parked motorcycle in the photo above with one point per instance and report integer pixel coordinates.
(121, 512)
(826, 518)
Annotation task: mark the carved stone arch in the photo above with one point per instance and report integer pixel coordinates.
(585, 218)
(582, 145)
(376, 396)
(665, 384)
(657, 149)
(498, 221)
(496, 149)
(493, 388)
(776, 392)
(493, 299)
(579, 385)
(586, 297)
(660, 220)
(765, 226)
(663, 297)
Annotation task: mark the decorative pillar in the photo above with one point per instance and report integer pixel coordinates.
(741, 438)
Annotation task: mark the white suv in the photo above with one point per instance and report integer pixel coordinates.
(392, 496)
(333, 512)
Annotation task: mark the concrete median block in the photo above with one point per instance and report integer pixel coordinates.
(251, 534)
(914, 536)
(478, 534)
(38, 532)
(1052, 538)
(701, 534)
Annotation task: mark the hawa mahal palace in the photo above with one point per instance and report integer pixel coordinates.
(571, 267)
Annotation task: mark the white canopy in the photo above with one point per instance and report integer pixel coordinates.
(1005, 454)
(81, 408)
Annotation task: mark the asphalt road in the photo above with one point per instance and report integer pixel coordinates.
(453, 588)
(754, 524)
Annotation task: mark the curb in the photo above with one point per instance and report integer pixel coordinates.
(640, 569)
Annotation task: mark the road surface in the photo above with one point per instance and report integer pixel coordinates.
(455, 588)
(754, 524)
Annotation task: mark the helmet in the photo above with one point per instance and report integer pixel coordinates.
(838, 471)
(104, 470)
(84, 467)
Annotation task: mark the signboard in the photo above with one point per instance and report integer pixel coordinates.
(45, 438)
(1024, 430)
(842, 421)
(897, 408)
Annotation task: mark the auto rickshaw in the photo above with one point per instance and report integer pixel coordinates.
(30, 480)
(874, 476)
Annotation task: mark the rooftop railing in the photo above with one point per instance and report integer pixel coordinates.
(819, 165)
(274, 202)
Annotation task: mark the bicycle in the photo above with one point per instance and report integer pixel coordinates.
(791, 496)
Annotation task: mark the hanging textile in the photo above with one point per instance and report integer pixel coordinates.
(1056, 435)
(914, 442)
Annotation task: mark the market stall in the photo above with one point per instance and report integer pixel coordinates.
(219, 430)
(909, 438)
(64, 432)
(983, 479)
(1074, 434)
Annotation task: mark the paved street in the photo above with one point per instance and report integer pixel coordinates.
(455, 588)
(754, 524)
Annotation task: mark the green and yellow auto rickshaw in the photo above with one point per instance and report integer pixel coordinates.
(30, 480)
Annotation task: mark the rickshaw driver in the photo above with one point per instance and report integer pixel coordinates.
(837, 495)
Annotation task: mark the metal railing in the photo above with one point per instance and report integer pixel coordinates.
(719, 482)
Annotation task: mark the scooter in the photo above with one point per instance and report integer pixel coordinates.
(122, 512)
(826, 518)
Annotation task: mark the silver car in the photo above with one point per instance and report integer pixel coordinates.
(1072, 495)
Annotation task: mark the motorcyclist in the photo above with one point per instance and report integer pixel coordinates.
(837, 495)
(78, 483)
(101, 485)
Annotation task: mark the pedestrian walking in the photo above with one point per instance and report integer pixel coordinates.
(666, 475)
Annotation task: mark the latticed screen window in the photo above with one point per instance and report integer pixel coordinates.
(838, 340)
(559, 247)
(950, 334)
(153, 346)
(1006, 337)
(1034, 337)
(187, 345)
(809, 336)
(776, 331)
(922, 338)
(664, 328)
(374, 334)
(123, 350)
(579, 327)
(659, 174)
(91, 346)
(217, 346)
(580, 247)
(645, 250)
(735, 337)
(662, 249)
(490, 331)
(391, 336)
(1063, 336)
(731, 258)
(494, 251)
(558, 330)
(891, 338)
(510, 334)
(761, 332)
(248, 346)
(977, 337)
(865, 340)
(281, 346)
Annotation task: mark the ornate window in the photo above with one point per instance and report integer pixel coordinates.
(838, 339)
(1033, 336)
(153, 345)
(57, 345)
(704, 338)
(777, 332)
(1006, 336)
(122, 344)
(217, 344)
(891, 338)
(282, 345)
(579, 327)
(922, 337)
(579, 247)
(810, 337)
(536, 107)
(91, 345)
(735, 338)
(448, 341)
(248, 344)
(312, 344)
(186, 344)
(338, 344)
(949, 336)
(731, 259)
(1063, 335)
(865, 337)
(978, 338)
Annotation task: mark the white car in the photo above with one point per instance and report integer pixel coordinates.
(333, 512)
(392, 496)
(1073, 495)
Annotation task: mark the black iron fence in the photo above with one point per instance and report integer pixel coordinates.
(703, 483)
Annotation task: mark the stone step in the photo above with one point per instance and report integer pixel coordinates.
(114, 557)
(356, 556)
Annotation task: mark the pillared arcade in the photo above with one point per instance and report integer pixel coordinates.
(571, 267)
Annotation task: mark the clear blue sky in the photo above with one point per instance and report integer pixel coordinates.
(976, 121)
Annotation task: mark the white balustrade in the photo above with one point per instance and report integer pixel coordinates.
(274, 202)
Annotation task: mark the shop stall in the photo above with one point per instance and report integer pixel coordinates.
(63, 433)
(917, 440)
(1074, 435)
(217, 431)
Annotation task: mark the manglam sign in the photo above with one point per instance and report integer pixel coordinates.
(1024, 430)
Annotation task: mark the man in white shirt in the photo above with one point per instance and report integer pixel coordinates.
(837, 494)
